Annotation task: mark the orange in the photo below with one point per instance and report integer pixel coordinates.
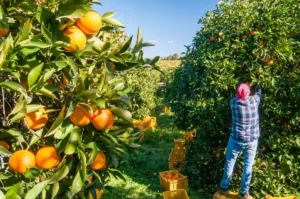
(3, 32)
(77, 39)
(99, 162)
(31, 26)
(4, 144)
(21, 161)
(264, 148)
(271, 62)
(212, 38)
(47, 157)
(252, 33)
(245, 37)
(36, 120)
(90, 23)
(103, 119)
(81, 116)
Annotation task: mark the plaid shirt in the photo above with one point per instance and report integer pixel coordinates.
(245, 117)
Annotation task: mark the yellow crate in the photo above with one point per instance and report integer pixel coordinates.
(171, 185)
(287, 197)
(179, 142)
(177, 194)
(231, 195)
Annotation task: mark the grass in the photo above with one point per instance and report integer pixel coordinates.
(142, 181)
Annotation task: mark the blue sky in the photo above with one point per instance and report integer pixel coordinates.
(170, 24)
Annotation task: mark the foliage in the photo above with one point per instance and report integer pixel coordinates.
(36, 71)
(242, 41)
(146, 93)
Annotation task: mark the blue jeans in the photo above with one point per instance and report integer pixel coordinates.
(234, 148)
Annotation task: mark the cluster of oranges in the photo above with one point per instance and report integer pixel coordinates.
(148, 123)
(87, 25)
(102, 119)
(46, 157)
(170, 176)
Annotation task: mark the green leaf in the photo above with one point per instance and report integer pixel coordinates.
(14, 191)
(2, 196)
(4, 151)
(36, 136)
(57, 123)
(55, 189)
(43, 15)
(139, 42)
(113, 22)
(73, 142)
(72, 64)
(147, 44)
(19, 106)
(71, 108)
(108, 15)
(83, 164)
(76, 185)
(134, 145)
(59, 175)
(89, 94)
(46, 92)
(34, 75)
(14, 87)
(36, 190)
(14, 133)
(122, 113)
(125, 45)
(47, 34)
(38, 44)
(94, 148)
(154, 60)
(25, 31)
(33, 107)
(73, 9)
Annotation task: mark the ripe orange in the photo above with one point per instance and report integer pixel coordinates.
(103, 119)
(37, 120)
(264, 148)
(81, 116)
(4, 144)
(3, 32)
(47, 157)
(99, 162)
(77, 38)
(21, 161)
(212, 38)
(90, 23)
(245, 37)
(31, 26)
(270, 63)
(218, 155)
(252, 33)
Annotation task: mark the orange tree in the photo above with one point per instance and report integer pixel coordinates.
(242, 41)
(64, 123)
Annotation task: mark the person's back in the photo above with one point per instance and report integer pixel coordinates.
(243, 138)
(245, 117)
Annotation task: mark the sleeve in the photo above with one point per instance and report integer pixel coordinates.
(258, 93)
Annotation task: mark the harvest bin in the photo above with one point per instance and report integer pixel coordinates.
(171, 185)
(177, 194)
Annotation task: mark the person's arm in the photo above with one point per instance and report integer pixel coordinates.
(258, 93)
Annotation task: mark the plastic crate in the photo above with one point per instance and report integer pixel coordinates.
(179, 142)
(287, 197)
(231, 195)
(177, 194)
(171, 185)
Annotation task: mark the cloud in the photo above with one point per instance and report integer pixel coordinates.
(171, 42)
(152, 41)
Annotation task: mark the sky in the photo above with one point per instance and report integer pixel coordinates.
(169, 24)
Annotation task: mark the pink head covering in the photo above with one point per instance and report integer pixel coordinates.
(243, 91)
